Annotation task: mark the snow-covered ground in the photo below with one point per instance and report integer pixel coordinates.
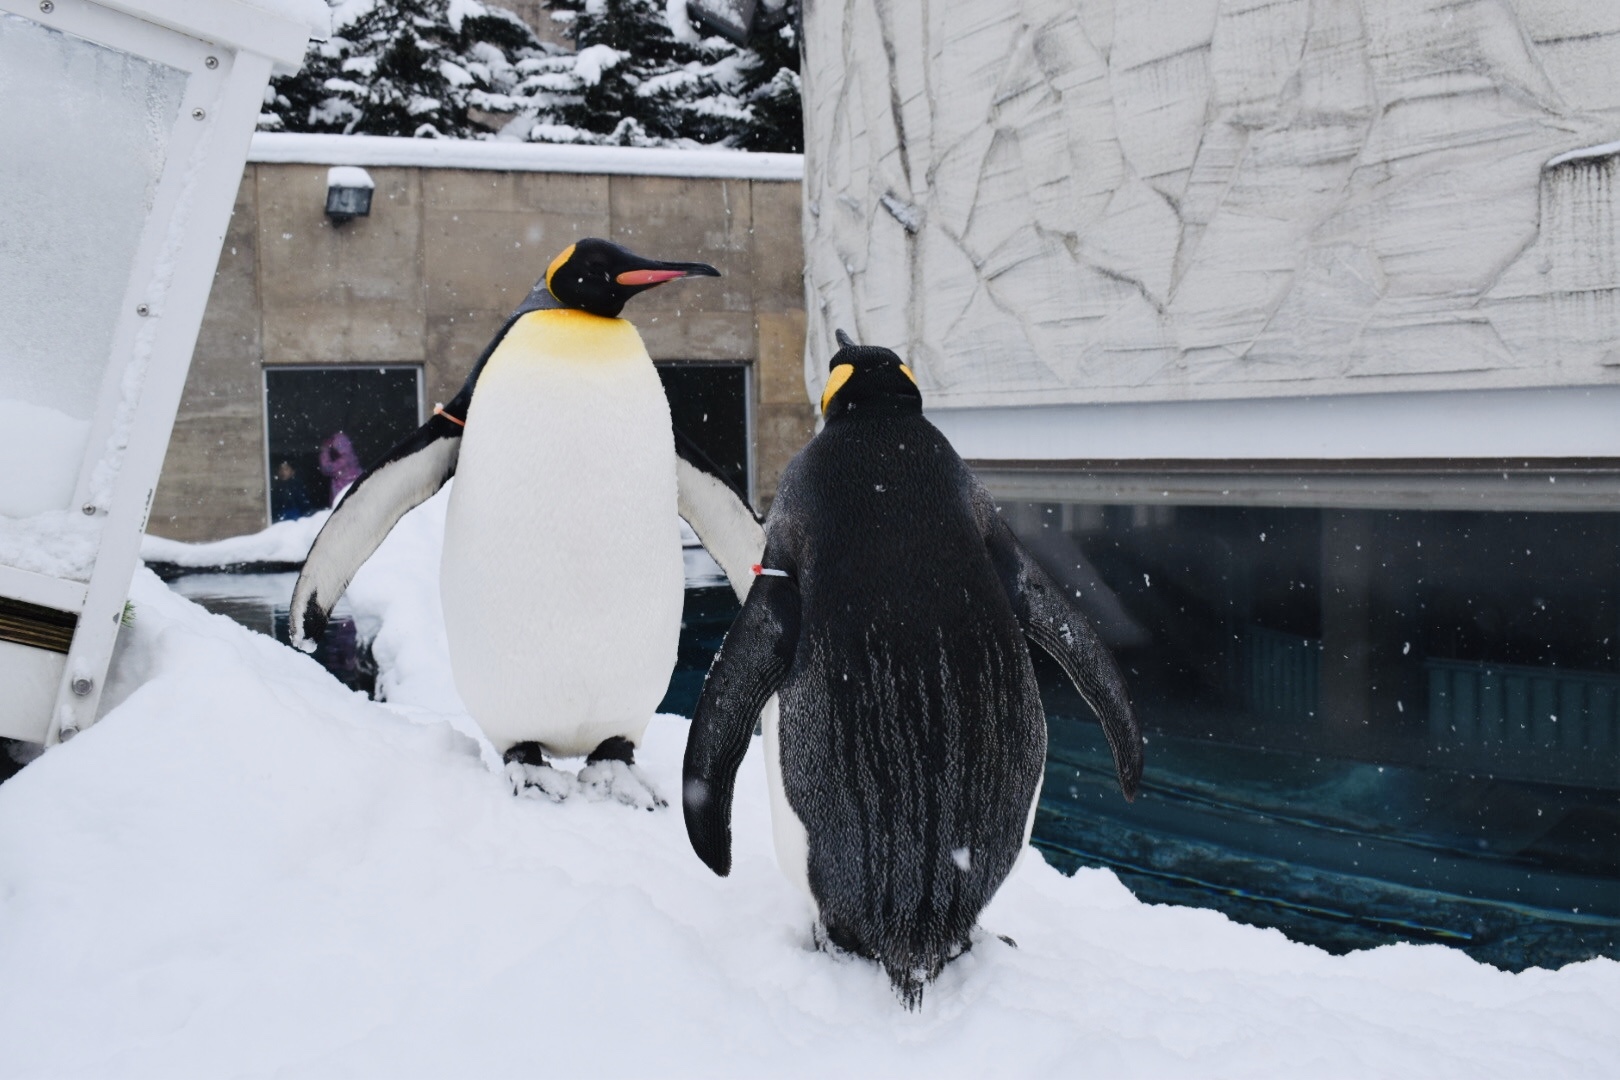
(247, 870)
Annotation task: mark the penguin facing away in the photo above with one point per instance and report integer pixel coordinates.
(561, 576)
(890, 616)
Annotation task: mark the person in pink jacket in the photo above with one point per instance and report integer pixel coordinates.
(339, 463)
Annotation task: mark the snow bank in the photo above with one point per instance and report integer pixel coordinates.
(40, 456)
(246, 869)
(283, 542)
(57, 543)
(380, 150)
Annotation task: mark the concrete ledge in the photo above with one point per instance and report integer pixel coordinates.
(289, 148)
(1564, 422)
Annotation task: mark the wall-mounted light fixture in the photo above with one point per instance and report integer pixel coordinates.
(348, 193)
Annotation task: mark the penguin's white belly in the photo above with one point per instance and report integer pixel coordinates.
(791, 839)
(562, 574)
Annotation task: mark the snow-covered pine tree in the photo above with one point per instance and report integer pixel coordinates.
(647, 75)
(642, 75)
(404, 67)
(770, 88)
(595, 94)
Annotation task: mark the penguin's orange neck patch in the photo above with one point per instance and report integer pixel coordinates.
(556, 264)
(571, 336)
(835, 382)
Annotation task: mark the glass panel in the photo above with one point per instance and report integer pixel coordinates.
(84, 130)
(708, 403)
(1363, 726)
(327, 425)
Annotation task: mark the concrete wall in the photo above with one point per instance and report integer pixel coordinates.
(431, 274)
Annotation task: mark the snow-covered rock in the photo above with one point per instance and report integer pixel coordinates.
(246, 869)
(1100, 200)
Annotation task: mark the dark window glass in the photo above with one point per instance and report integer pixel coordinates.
(1363, 725)
(708, 403)
(705, 618)
(326, 425)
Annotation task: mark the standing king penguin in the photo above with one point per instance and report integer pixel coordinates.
(890, 615)
(562, 576)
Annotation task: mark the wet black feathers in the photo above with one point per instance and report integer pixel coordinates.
(912, 734)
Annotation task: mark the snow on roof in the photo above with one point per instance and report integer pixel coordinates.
(379, 150)
(247, 868)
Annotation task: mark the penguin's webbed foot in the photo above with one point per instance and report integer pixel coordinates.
(836, 941)
(610, 773)
(525, 753)
(532, 776)
(613, 748)
(540, 782)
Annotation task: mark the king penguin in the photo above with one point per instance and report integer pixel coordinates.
(890, 614)
(561, 576)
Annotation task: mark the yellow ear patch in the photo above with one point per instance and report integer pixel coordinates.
(907, 373)
(568, 253)
(835, 382)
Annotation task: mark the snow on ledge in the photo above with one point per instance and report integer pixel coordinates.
(351, 176)
(283, 542)
(380, 150)
(1585, 152)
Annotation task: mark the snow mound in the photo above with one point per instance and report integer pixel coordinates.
(246, 869)
(283, 542)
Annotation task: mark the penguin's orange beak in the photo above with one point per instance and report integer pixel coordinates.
(649, 277)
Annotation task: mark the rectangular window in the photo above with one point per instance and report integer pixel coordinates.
(1390, 710)
(708, 403)
(326, 425)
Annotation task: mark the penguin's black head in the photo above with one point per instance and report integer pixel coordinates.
(597, 276)
(866, 379)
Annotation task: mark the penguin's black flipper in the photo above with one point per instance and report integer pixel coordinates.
(1052, 621)
(406, 476)
(718, 513)
(751, 664)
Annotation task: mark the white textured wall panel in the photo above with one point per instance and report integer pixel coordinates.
(1051, 201)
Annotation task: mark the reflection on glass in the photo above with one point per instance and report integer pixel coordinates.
(77, 176)
(328, 425)
(708, 404)
(1364, 726)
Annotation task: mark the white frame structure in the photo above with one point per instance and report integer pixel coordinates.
(227, 50)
